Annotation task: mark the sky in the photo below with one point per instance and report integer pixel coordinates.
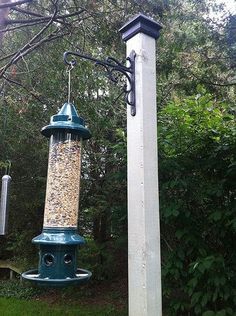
(221, 16)
(230, 5)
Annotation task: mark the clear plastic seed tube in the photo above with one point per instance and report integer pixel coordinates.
(63, 181)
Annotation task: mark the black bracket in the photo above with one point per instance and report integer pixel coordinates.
(113, 66)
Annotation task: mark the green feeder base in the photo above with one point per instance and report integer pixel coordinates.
(58, 259)
(81, 277)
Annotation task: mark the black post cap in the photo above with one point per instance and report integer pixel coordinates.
(140, 24)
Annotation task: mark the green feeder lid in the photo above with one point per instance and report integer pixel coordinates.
(67, 119)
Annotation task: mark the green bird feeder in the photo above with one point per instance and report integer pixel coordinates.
(59, 239)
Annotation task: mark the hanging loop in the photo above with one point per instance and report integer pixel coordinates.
(8, 167)
(70, 67)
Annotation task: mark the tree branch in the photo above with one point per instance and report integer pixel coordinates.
(28, 47)
(20, 26)
(209, 82)
(27, 12)
(7, 56)
(22, 86)
(45, 18)
(49, 38)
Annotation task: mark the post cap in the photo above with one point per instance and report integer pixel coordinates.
(140, 24)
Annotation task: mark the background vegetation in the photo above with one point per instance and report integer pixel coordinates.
(196, 135)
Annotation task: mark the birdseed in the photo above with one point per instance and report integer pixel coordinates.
(62, 194)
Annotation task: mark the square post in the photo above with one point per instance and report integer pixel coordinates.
(144, 263)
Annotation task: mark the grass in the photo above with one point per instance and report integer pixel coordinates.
(95, 299)
(17, 307)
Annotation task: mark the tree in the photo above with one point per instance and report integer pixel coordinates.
(197, 175)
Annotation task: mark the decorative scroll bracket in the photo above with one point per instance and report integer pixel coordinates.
(113, 66)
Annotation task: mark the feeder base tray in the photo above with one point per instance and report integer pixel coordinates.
(82, 277)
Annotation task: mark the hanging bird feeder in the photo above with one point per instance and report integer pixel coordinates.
(59, 239)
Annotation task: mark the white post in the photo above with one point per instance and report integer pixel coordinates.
(143, 203)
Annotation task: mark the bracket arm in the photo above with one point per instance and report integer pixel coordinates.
(113, 66)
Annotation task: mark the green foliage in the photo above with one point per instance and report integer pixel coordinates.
(222, 312)
(17, 290)
(197, 140)
(16, 307)
(100, 257)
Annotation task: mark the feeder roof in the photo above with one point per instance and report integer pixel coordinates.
(67, 119)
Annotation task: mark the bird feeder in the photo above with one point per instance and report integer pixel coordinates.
(6, 180)
(59, 239)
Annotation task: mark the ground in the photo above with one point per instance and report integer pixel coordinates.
(96, 299)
